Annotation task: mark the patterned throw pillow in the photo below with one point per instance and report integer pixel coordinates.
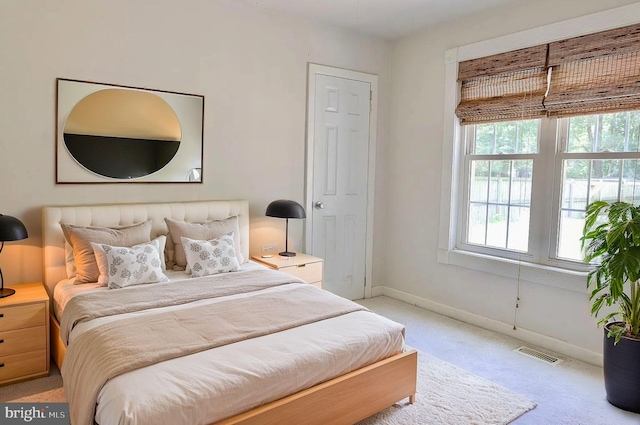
(200, 231)
(133, 265)
(103, 264)
(210, 257)
(80, 238)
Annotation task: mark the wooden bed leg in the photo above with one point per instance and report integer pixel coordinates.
(412, 398)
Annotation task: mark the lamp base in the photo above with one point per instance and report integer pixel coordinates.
(287, 254)
(5, 292)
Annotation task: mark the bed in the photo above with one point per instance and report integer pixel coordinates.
(335, 363)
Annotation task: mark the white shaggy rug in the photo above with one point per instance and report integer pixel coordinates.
(447, 395)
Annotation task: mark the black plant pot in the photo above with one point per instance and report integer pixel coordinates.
(622, 372)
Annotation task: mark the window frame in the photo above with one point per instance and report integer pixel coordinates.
(552, 272)
(545, 211)
(468, 137)
(562, 155)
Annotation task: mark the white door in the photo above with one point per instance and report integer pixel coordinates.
(340, 182)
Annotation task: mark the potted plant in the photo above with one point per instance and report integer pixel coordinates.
(611, 238)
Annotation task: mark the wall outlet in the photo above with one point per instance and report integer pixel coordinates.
(269, 247)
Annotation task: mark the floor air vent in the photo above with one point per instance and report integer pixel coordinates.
(539, 355)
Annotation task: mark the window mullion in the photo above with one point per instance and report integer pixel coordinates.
(486, 211)
(589, 181)
(495, 135)
(598, 134)
(620, 174)
(627, 126)
(544, 192)
(506, 243)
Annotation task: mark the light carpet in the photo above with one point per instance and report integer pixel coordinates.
(446, 395)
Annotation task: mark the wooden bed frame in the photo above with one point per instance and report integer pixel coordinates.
(343, 400)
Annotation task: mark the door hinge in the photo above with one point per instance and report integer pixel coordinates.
(365, 281)
(370, 101)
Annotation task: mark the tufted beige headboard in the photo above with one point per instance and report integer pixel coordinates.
(126, 214)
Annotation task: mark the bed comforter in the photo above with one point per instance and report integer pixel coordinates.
(115, 336)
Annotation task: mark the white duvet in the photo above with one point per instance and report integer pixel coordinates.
(212, 385)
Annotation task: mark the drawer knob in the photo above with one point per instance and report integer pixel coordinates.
(301, 265)
(1, 364)
(1, 341)
(1, 315)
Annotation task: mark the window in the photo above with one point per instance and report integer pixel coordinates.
(529, 178)
(500, 162)
(599, 161)
(511, 205)
(542, 132)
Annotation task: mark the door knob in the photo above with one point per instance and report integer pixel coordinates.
(319, 205)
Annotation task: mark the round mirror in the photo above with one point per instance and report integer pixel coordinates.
(122, 134)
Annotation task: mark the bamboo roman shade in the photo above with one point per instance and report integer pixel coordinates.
(507, 86)
(590, 74)
(595, 73)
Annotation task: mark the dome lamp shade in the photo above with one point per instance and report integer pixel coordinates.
(11, 229)
(286, 209)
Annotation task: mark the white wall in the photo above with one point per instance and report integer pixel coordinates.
(251, 66)
(413, 196)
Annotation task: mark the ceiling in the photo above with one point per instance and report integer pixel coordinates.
(383, 18)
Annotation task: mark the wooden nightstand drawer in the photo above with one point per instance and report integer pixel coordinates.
(310, 273)
(22, 316)
(303, 266)
(24, 333)
(24, 364)
(23, 340)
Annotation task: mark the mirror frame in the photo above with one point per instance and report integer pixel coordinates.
(189, 109)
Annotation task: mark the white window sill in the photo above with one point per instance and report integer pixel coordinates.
(556, 277)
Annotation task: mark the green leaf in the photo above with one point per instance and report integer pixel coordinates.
(592, 213)
(611, 238)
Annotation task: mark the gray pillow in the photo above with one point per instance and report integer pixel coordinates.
(80, 238)
(201, 231)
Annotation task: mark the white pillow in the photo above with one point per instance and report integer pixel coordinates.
(103, 266)
(127, 266)
(210, 257)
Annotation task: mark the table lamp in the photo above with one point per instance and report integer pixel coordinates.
(283, 208)
(11, 229)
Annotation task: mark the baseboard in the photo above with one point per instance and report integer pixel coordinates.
(561, 347)
(376, 291)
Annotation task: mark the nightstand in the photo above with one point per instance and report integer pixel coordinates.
(24, 333)
(303, 266)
